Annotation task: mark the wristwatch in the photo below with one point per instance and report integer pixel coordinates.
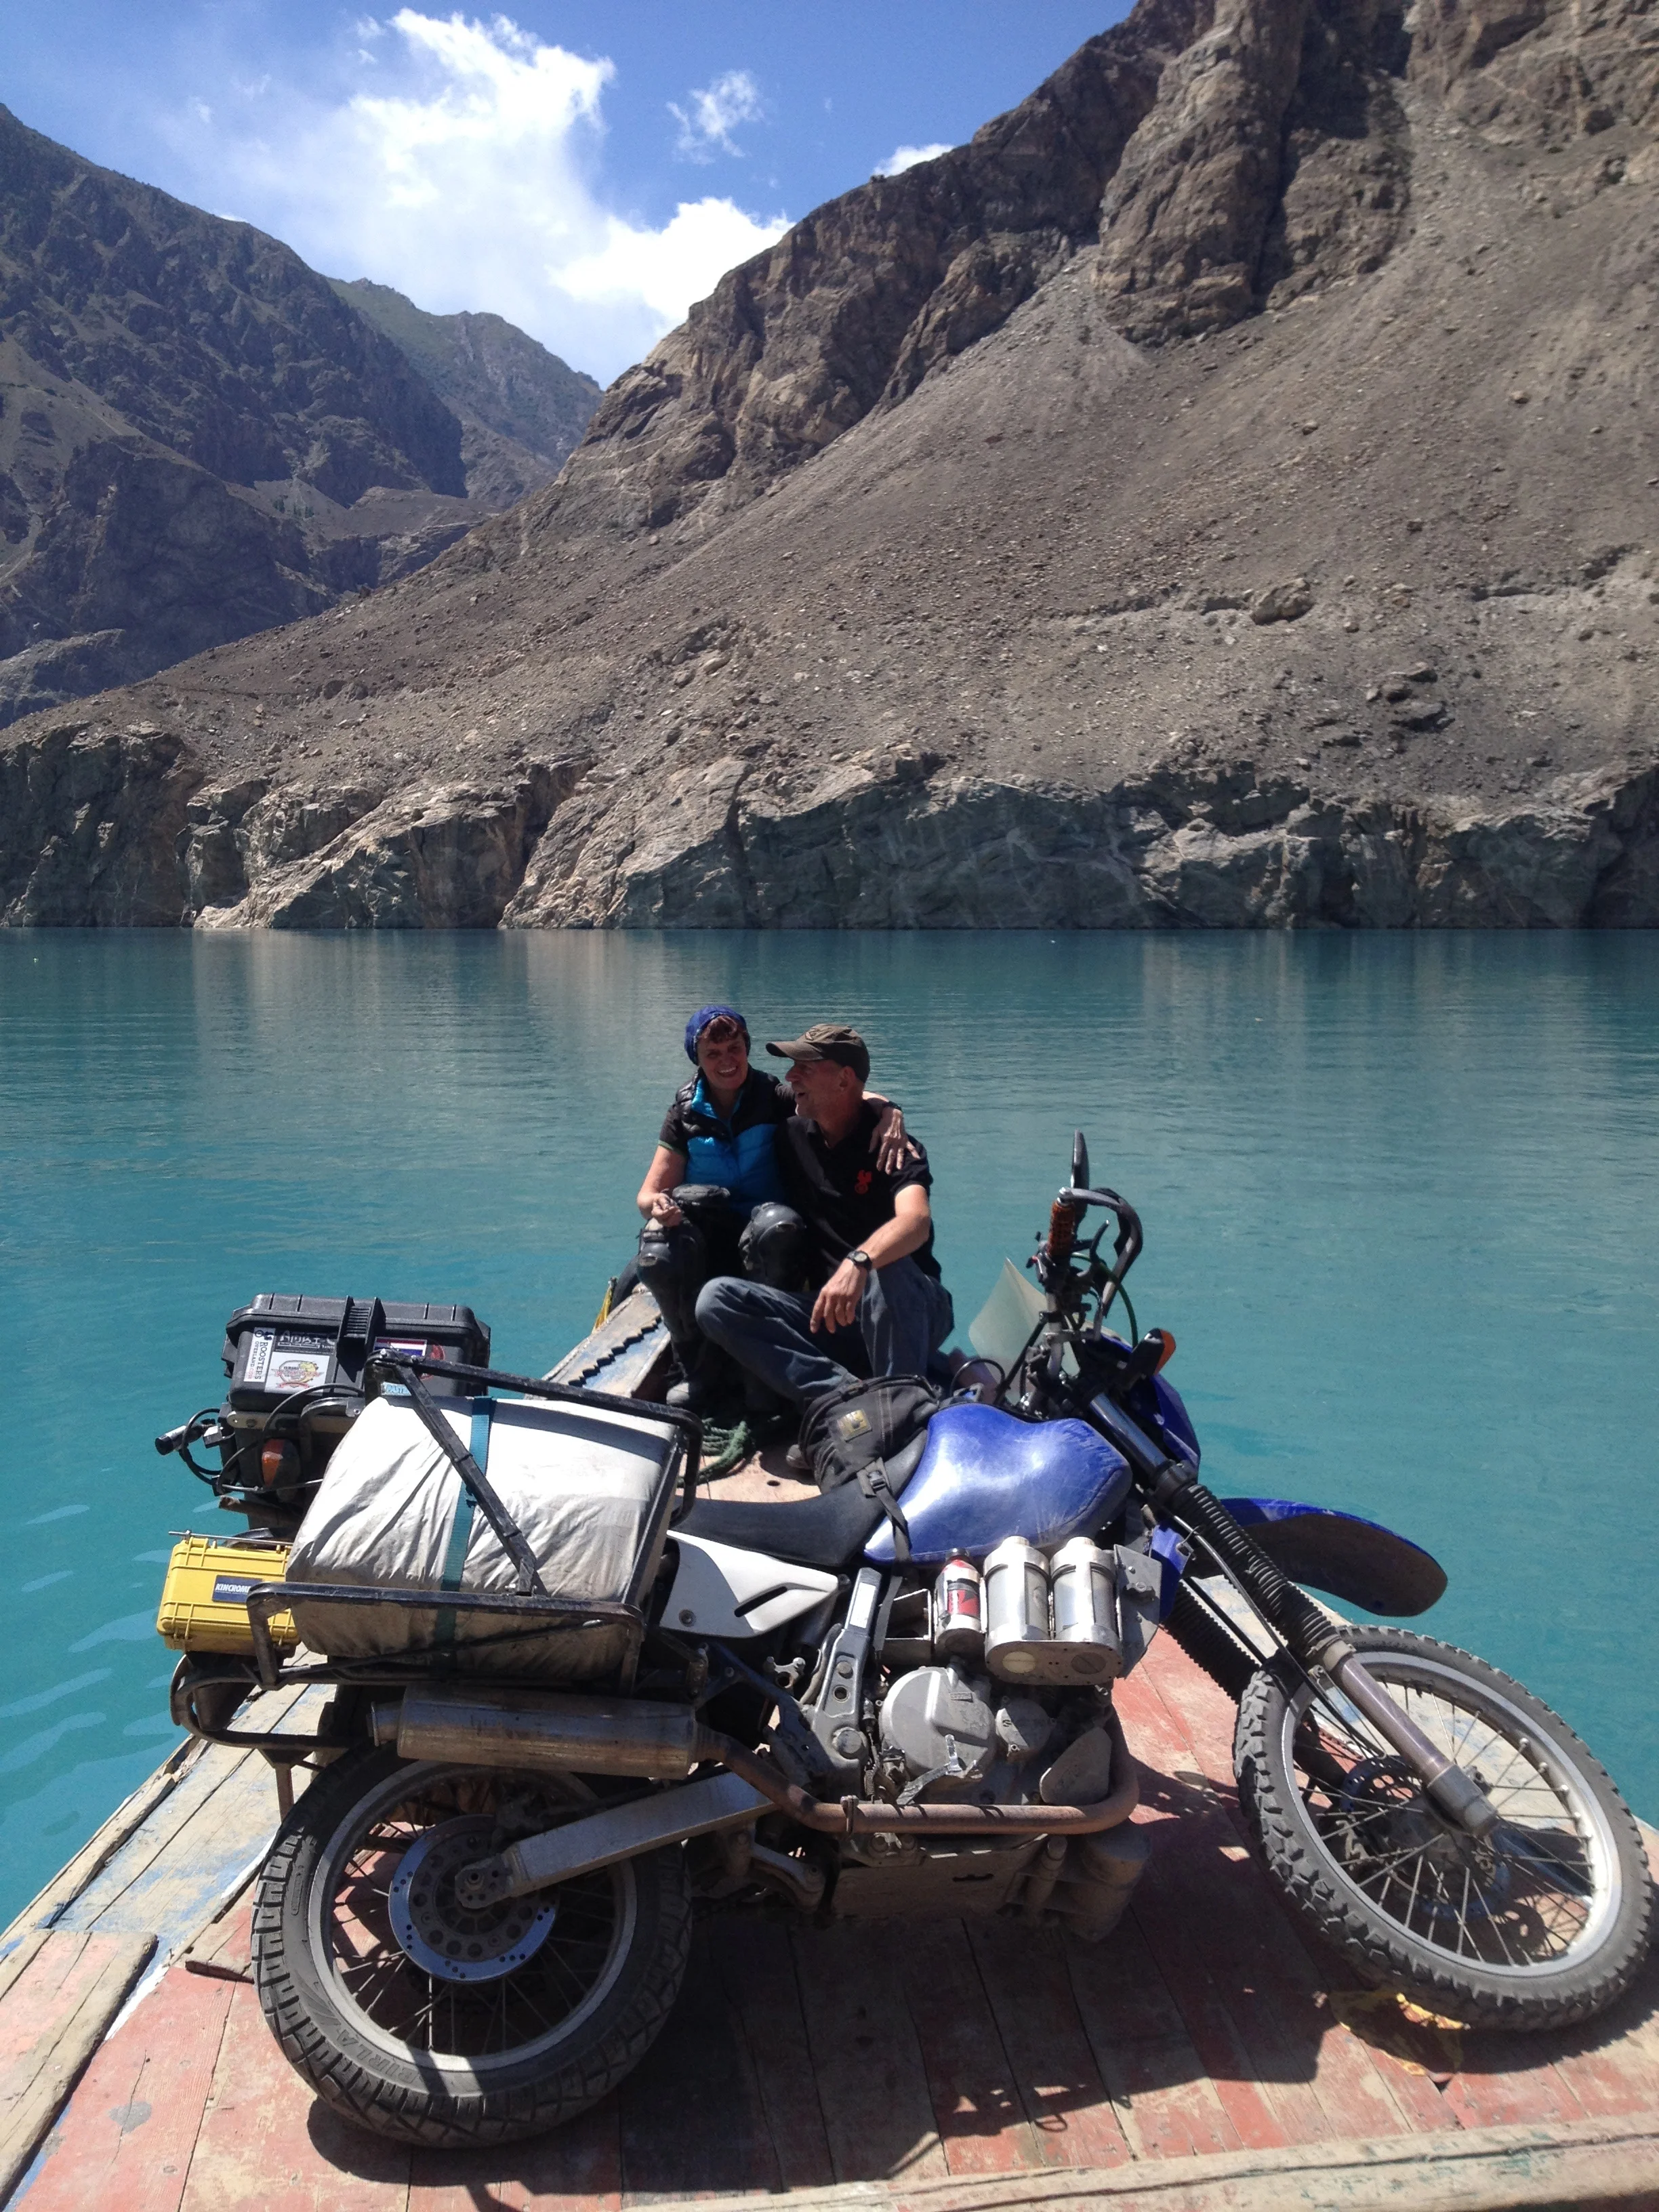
(861, 1258)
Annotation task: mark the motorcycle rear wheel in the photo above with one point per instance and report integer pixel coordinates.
(421, 2023)
(1544, 1925)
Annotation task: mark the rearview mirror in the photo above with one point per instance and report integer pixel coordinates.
(1079, 1161)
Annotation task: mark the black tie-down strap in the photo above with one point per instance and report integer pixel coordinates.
(873, 1481)
(528, 1582)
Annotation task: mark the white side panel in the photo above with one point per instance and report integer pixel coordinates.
(720, 1590)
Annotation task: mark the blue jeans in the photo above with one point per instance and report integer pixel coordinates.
(903, 1317)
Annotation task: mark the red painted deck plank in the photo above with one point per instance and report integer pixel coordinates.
(756, 1963)
(693, 2121)
(885, 2052)
(266, 2143)
(871, 2083)
(1184, 1905)
(1161, 1914)
(127, 2135)
(1066, 2102)
(577, 2168)
(1162, 2095)
(976, 2107)
(1205, 1716)
(60, 1976)
(1261, 1955)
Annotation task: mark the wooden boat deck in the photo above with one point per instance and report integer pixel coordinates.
(1203, 2057)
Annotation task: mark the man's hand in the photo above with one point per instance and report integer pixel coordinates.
(665, 1212)
(837, 1304)
(892, 1148)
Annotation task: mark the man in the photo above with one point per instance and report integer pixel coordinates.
(873, 1303)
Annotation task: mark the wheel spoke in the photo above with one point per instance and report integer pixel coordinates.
(423, 2005)
(1519, 1900)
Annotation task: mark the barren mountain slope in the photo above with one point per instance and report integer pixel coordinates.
(1326, 594)
(521, 408)
(198, 438)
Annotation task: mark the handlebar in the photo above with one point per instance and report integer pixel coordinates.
(1126, 1249)
(189, 1433)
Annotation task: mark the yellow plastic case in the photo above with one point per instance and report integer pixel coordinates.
(204, 1597)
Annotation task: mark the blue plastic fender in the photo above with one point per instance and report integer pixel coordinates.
(1356, 1560)
(985, 1475)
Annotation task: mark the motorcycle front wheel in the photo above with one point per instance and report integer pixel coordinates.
(1543, 1923)
(422, 2021)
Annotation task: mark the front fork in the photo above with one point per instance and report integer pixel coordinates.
(1318, 1643)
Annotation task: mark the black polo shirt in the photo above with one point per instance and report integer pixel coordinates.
(840, 1190)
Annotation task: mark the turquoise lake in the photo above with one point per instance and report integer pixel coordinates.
(1400, 1193)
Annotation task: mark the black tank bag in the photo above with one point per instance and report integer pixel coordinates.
(851, 1434)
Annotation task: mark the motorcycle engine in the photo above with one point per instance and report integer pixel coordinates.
(946, 1733)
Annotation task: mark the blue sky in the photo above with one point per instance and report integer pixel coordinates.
(586, 171)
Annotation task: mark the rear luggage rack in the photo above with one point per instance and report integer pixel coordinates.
(530, 1608)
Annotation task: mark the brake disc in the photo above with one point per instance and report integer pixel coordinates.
(438, 1933)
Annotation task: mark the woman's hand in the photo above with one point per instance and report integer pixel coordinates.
(664, 1211)
(892, 1148)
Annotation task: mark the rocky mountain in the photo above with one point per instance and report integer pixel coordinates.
(522, 411)
(1225, 492)
(200, 438)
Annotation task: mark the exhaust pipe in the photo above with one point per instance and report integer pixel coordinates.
(641, 1736)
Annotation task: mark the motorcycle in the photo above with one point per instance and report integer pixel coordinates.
(893, 1698)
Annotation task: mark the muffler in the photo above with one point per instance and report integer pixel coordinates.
(543, 1730)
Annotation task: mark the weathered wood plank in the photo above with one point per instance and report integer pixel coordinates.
(129, 2132)
(53, 2020)
(130, 1815)
(693, 2120)
(1160, 2088)
(757, 1971)
(170, 1874)
(616, 1356)
(575, 2168)
(1507, 2079)
(1275, 1990)
(267, 2145)
(1598, 2162)
(1175, 1917)
(1070, 2111)
(977, 2105)
(877, 2111)
(16, 1961)
(1206, 1716)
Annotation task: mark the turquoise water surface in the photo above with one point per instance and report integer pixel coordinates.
(1401, 1198)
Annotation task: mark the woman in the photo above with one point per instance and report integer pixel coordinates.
(717, 1135)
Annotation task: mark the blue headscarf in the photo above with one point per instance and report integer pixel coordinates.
(700, 1021)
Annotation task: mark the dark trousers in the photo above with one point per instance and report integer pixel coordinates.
(903, 1318)
(673, 1265)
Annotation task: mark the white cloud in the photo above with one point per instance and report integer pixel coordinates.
(906, 157)
(706, 128)
(466, 180)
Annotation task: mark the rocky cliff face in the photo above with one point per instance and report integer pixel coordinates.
(521, 409)
(1226, 493)
(200, 438)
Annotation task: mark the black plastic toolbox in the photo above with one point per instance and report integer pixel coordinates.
(296, 1375)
